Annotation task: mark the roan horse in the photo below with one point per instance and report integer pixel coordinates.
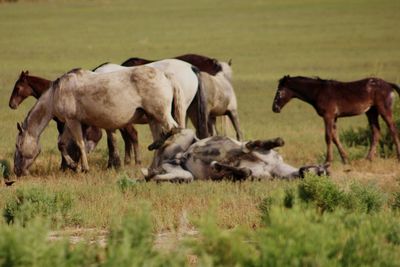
(332, 99)
(217, 82)
(184, 75)
(108, 101)
(184, 158)
(28, 85)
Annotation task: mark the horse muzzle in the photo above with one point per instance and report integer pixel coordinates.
(276, 108)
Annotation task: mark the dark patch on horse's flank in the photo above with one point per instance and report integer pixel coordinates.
(101, 65)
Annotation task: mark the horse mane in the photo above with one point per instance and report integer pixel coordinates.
(317, 79)
(129, 61)
(101, 65)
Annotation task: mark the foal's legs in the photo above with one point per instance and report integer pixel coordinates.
(339, 146)
(388, 118)
(328, 138)
(113, 155)
(233, 116)
(373, 121)
(75, 128)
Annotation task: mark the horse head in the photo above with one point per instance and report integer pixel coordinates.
(282, 96)
(26, 151)
(21, 90)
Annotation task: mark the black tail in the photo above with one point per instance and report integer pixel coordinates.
(201, 111)
(395, 87)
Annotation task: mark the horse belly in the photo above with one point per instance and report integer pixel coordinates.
(108, 112)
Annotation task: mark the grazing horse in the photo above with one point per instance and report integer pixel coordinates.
(185, 158)
(333, 99)
(203, 63)
(108, 101)
(217, 81)
(28, 85)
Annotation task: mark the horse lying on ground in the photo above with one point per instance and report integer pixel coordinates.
(28, 85)
(332, 99)
(109, 101)
(185, 158)
(217, 82)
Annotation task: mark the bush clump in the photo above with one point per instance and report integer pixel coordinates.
(31, 202)
(320, 190)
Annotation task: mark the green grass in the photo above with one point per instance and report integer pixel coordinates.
(343, 40)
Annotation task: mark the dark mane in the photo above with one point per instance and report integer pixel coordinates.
(203, 63)
(135, 61)
(317, 79)
(101, 65)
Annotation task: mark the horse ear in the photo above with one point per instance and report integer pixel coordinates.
(27, 72)
(230, 62)
(19, 127)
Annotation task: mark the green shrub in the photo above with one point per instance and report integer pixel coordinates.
(35, 201)
(321, 191)
(396, 201)
(125, 183)
(364, 198)
(289, 198)
(216, 247)
(265, 207)
(29, 246)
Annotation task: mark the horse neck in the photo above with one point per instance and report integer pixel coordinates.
(305, 90)
(38, 85)
(40, 115)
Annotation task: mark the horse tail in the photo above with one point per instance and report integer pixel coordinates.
(201, 111)
(395, 87)
(178, 109)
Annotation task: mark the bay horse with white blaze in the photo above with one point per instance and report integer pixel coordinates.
(333, 99)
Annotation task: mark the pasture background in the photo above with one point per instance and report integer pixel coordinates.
(343, 40)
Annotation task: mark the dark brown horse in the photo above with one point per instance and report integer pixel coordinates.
(203, 63)
(28, 85)
(333, 99)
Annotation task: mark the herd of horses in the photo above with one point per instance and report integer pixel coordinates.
(165, 94)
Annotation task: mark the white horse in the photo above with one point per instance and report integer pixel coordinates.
(221, 98)
(184, 75)
(185, 158)
(109, 101)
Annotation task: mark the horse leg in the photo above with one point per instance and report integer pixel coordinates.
(211, 124)
(133, 134)
(236, 173)
(233, 116)
(339, 146)
(265, 144)
(373, 120)
(76, 130)
(63, 141)
(113, 155)
(388, 118)
(328, 138)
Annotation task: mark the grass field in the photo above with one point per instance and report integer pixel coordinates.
(343, 40)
